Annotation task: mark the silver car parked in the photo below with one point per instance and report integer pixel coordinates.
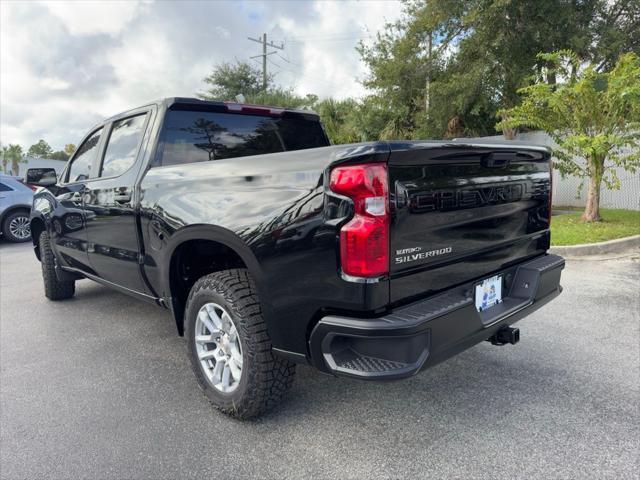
(15, 205)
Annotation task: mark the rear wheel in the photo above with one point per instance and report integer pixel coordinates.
(229, 346)
(16, 227)
(54, 289)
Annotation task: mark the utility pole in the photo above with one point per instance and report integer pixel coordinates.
(264, 43)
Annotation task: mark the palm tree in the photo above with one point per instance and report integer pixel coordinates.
(5, 158)
(14, 153)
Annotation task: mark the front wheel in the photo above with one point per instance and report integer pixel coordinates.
(229, 346)
(54, 289)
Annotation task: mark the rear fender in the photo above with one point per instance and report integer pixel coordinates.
(224, 237)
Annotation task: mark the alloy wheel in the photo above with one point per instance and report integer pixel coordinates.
(218, 347)
(19, 228)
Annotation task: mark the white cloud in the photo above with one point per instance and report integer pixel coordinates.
(68, 65)
(92, 16)
(328, 63)
(222, 32)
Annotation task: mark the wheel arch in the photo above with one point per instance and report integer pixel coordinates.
(13, 209)
(10, 210)
(222, 249)
(37, 227)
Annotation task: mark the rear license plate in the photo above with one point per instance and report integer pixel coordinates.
(488, 293)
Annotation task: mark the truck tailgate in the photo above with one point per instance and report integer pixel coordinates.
(462, 211)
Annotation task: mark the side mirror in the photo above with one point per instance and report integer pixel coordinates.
(42, 177)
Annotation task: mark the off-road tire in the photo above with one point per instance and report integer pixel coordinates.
(6, 229)
(54, 289)
(265, 377)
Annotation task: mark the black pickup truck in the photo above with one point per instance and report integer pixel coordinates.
(271, 247)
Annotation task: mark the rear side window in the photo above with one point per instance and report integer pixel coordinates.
(122, 147)
(80, 168)
(189, 137)
(5, 188)
(299, 132)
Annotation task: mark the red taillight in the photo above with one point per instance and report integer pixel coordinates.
(364, 240)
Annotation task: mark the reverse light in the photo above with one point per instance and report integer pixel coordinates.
(364, 240)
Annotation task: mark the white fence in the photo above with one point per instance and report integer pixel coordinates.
(565, 190)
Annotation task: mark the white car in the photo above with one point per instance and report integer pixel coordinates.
(15, 206)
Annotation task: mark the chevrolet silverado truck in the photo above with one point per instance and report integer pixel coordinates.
(270, 247)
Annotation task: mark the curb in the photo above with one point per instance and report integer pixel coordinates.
(619, 245)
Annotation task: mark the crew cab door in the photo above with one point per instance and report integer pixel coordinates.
(68, 216)
(110, 201)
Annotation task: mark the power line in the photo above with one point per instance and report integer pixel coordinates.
(275, 64)
(301, 74)
(329, 40)
(264, 54)
(288, 61)
(320, 37)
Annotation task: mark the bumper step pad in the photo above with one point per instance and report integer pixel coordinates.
(353, 361)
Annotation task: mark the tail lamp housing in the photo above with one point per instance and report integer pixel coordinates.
(364, 240)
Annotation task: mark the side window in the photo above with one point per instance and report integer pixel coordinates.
(299, 133)
(189, 137)
(122, 147)
(5, 188)
(80, 168)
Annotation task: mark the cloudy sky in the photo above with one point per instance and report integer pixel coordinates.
(66, 65)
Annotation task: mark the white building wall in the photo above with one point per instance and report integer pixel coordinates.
(32, 162)
(565, 190)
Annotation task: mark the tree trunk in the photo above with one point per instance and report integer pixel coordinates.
(592, 209)
(510, 133)
(15, 167)
(454, 128)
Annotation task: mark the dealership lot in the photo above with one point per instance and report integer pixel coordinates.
(100, 387)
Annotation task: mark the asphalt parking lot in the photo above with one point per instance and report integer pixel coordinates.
(100, 387)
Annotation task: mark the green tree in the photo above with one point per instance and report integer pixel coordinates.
(349, 120)
(227, 80)
(281, 97)
(615, 29)
(59, 155)
(336, 116)
(591, 115)
(69, 148)
(40, 149)
(12, 153)
(447, 66)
